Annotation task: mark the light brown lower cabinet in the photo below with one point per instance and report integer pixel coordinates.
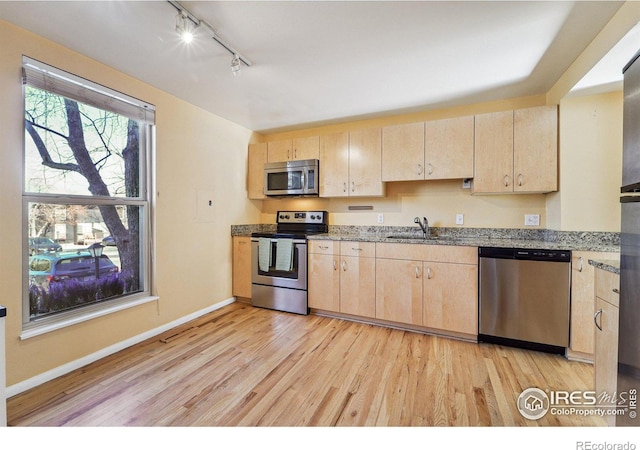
(606, 336)
(433, 286)
(241, 281)
(342, 277)
(399, 290)
(451, 297)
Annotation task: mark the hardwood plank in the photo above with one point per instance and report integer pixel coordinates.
(246, 366)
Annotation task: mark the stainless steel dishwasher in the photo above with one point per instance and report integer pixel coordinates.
(524, 297)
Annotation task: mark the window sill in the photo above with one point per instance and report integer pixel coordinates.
(47, 325)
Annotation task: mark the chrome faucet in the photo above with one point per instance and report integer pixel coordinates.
(424, 225)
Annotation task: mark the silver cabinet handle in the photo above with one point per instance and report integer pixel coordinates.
(344, 188)
(356, 249)
(506, 180)
(616, 290)
(581, 261)
(323, 247)
(428, 273)
(288, 154)
(353, 186)
(335, 265)
(344, 266)
(420, 169)
(595, 319)
(430, 170)
(295, 153)
(417, 272)
(519, 179)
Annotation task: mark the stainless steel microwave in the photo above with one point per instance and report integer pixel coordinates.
(291, 178)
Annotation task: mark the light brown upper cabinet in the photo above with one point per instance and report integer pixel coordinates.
(433, 150)
(403, 152)
(449, 148)
(516, 151)
(350, 164)
(296, 149)
(255, 174)
(535, 149)
(334, 165)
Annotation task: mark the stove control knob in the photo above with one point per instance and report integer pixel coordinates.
(313, 217)
(287, 216)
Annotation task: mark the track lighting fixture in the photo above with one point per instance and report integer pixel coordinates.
(186, 25)
(235, 65)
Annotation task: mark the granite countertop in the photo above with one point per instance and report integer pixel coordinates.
(474, 237)
(610, 265)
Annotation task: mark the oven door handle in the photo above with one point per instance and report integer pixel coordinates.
(295, 241)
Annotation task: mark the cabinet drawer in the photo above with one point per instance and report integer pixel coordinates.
(435, 253)
(607, 285)
(354, 248)
(323, 247)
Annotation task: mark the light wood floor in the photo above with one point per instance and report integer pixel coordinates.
(247, 366)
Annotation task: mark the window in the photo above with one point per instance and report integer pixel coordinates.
(87, 153)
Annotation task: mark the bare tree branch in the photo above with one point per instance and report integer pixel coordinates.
(44, 152)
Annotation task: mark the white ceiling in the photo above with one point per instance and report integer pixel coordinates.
(320, 62)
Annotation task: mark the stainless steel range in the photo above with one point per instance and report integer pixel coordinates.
(279, 261)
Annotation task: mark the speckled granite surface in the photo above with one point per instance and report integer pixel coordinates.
(609, 265)
(480, 237)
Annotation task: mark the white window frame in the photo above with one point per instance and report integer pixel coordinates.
(49, 78)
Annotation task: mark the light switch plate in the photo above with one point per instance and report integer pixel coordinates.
(532, 220)
(459, 219)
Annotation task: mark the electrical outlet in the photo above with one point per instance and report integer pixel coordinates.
(532, 220)
(466, 183)
(459, 219)
(380, 218)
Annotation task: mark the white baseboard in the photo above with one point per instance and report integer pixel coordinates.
(25, 385)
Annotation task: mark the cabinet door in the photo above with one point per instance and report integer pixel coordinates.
(399, 290)
(451, 297)
(334, 165)
(241, 282)
(582, 304)
(358, 286)
(535, 149)
(324, 282)
(306, 148)
(403, 152)
(279, 151)
(255, 172)
(606, 354)
(493, 171)
(583, 293)
(365, 163)
(449, 148)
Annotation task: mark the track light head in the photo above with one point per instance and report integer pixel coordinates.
(235, 65)
(185, 27)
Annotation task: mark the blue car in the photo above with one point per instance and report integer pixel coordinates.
(56, 267)
(43, 245)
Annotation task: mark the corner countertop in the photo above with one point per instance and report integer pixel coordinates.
(474, 237)
(610, 265)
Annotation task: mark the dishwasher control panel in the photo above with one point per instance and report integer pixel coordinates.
(525, 253)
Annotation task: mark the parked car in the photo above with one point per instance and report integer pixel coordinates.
(50, 268)
(109, 241)
(43, 245)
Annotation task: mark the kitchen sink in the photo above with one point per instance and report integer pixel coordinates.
(399, 236)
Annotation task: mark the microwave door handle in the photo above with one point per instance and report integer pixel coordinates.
(303, 176)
